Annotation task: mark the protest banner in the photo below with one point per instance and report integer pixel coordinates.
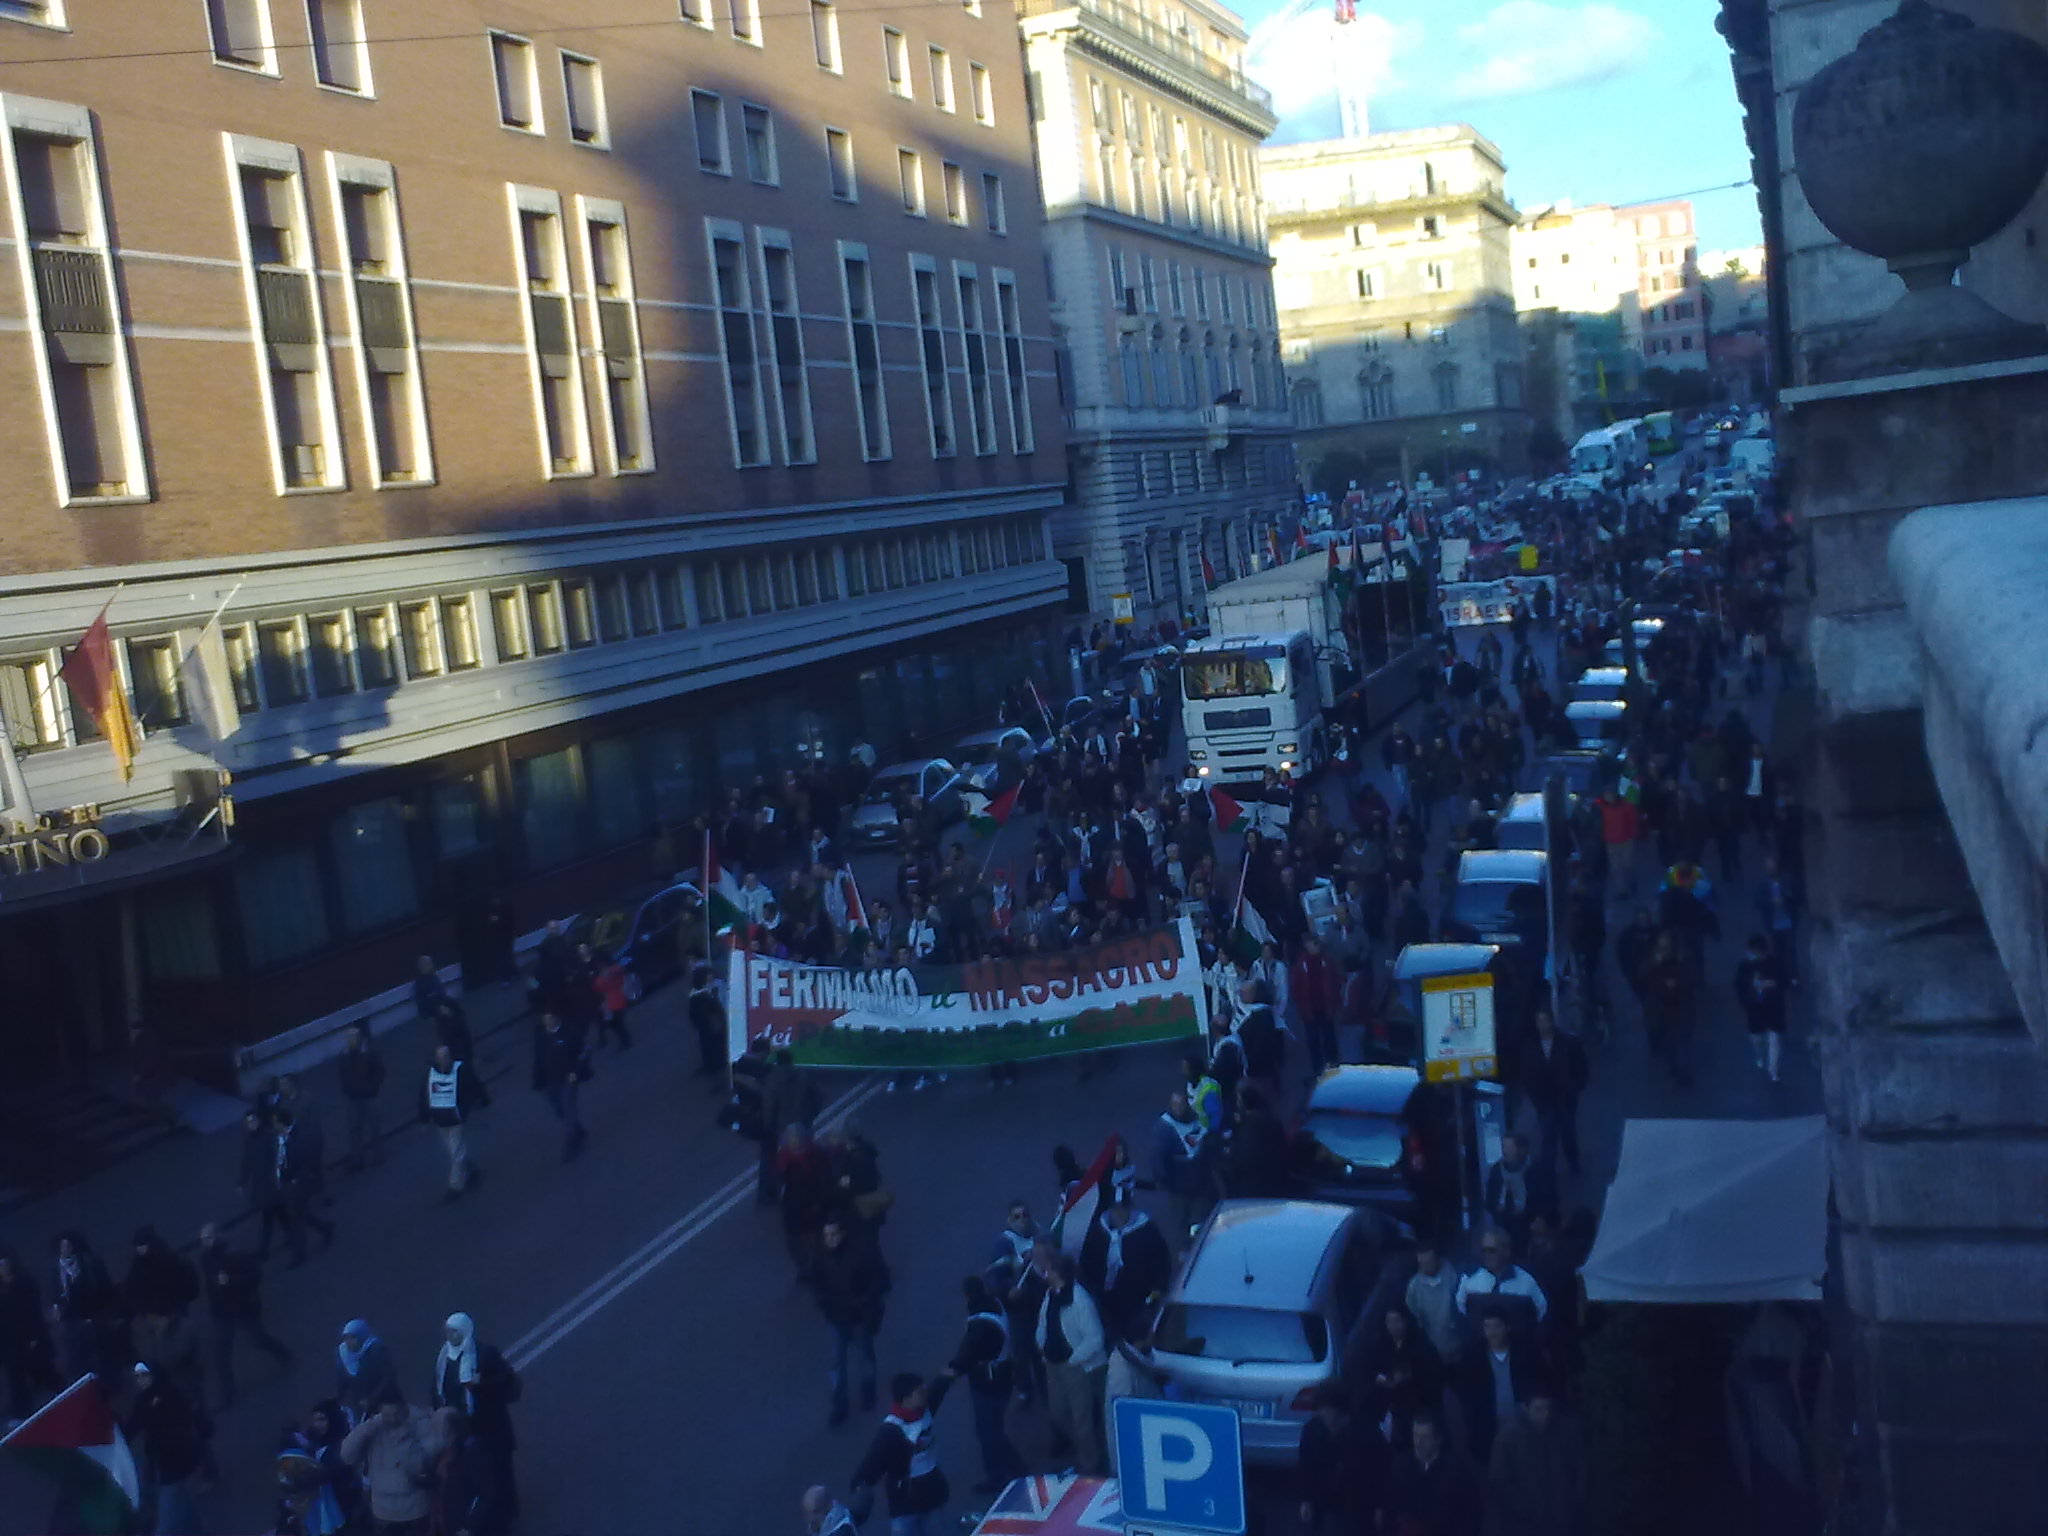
(1130, 991)
(1488, 602)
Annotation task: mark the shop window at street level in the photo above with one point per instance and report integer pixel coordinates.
(283, 909)
(373, 865)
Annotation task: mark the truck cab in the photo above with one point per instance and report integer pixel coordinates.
(1253, 702)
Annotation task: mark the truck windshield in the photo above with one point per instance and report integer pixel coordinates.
(1234, 675)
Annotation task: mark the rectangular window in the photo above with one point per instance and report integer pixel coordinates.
(461, 646)
(284, 909)
(544, 618)
(669, 598)
(865, 346)
(552, 808)
(285, 301)
(331, 651)
(707, 119)
(240, 643)
(805, 562)
(982, 88)
(942, 78)
(579, 614)
(373, 869)
(29, 701)
(583, 94)
(616, 324)
(981, 403)
(153, 670)
(757, 132)
(518, 79)
(1010, 325)
(74, 303)
(931, 334)
(611, 608)
(617, 800)
(241, 33)
(380, 306)
(710, 601)
(1368, 284)
(732, 588)
(896, 61)
(910, 180)
(641, 613)
(558, 378)
(508, 625)
(746, 21)
(839, 164)
(732, 292)
(697, 12)
(281, 654)
(992, 211)
(376, 648)
(785, 334)
(1437, 274)
(341, 57)
(825, 34)
(955, 188)
(419, 629)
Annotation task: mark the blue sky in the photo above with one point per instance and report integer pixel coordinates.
(1599, 101)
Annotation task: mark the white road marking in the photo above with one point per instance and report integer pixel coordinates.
(663, 1246)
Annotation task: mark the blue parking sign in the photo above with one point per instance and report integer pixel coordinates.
(1180, 1464)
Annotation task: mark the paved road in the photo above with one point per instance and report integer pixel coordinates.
(675, 1372)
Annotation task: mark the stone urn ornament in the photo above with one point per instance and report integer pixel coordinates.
(1923, 141)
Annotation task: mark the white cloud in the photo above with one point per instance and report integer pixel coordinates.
(1298, 65)
(1525, 46)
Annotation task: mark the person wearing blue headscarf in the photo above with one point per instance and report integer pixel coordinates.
(363, 1370)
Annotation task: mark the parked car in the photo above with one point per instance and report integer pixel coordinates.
(1379, 1136)
(645, 932)
(1601, 684)
(928, 789)
(1597, 725)
(1500, 898)
(1264, 1310)
(982, 757)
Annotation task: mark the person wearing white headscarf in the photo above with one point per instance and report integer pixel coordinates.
(455, 1373)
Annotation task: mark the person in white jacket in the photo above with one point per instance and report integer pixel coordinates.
(1076, 1357)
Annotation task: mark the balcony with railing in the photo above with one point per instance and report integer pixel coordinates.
(1131, 26)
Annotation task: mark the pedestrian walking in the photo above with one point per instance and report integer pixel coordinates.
(804, 1175)
(1317, 987)
(1181, 1164)
(1554, 1074)
(707, 1021)
(610, 983)
(1125, 1263)
(903, 1460)
(394, 1449)
(233, 1287)
(1536, 1477)
(449, 1097)
(477, 1379)
(1518, 1186)
(1494, 1381)
(261, 1188)
(301, 1178)
(851, 1283)
(561, 1065)
(983, 1361)
(467, 1497)
(1431, 1489)
(1342, 1467)
(1760, 989)
(363, 1370)
(361, 1070)
(1499, 1275)
(1432, 1298)
(171, 1429)
(1070, 1338)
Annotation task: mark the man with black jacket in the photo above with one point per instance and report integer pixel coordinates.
(1553, 1075)
(902, 1457)
(362, 1080)
(1125, 1262)
(450, 1095)
(983, 1360)
(561, 1065)
(851, 1283)
(233, 1287)
(1264, 1047)
(300, 1177)
(172, 1431)
(707, 1020)
(258, 1180)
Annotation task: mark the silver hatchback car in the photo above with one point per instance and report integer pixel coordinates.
(1263, 1313)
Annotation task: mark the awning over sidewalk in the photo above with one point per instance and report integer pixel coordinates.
(1714, 1211)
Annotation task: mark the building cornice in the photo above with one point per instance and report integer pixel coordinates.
(1348, 210)
(1130, 223)
(1238, 100)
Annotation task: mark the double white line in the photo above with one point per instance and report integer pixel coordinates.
(664, 1245)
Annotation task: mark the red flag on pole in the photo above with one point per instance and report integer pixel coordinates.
(94, 678)
(1208, 574)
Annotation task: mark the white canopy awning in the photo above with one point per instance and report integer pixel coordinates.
(1714, 1211)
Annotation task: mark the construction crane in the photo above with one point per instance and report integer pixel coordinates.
(1346, 46)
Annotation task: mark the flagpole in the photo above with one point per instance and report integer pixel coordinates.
(57, 675)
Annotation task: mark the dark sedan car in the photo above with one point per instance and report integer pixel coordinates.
(1378, 1136)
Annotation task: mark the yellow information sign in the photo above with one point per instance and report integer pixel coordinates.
(1458, 1043)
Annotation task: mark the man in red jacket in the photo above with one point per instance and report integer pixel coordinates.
(1620, 825)
(1317, 988)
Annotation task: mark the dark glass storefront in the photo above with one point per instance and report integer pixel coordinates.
(331, 891)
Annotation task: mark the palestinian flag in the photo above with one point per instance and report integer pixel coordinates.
(856, 909)
(1077, 1210)
(985, 815)
(1301, 544)
(721, 891)
(1228, 813)
(1248, 934)
(75, 1440)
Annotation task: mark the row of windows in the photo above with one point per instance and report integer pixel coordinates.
(1146, 163)
(285, 660)
(1296, 289)
(1431, 226)
(1162, 472)
(1136, 288)
(1180, 376)
(95, 432)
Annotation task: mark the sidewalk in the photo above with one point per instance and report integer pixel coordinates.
(189, 1179)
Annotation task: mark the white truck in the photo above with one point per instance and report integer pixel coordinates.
(1256, 690)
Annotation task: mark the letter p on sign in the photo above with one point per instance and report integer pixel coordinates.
(1176, 1450)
